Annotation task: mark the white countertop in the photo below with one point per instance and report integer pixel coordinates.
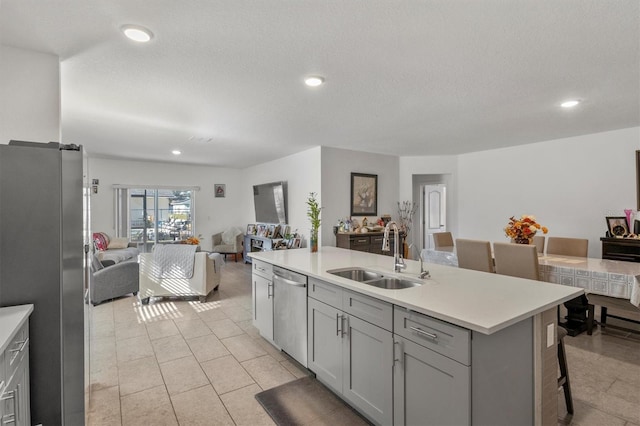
(479, 301)
(11, 319)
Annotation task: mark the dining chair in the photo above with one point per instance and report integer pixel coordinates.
(474, 254)
(578, 247)
(442, 239)
(539, 241)
(522, 261)
(516, 260)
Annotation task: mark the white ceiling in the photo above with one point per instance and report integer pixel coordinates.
(412, 77)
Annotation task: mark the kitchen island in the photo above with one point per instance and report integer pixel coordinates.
(465, 347)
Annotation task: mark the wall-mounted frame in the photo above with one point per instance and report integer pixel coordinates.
(638, 178)
(617, 226)
(364, 194)
(220, 190)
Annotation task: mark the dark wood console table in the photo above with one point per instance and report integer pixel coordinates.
(370, 242)
(621, 249)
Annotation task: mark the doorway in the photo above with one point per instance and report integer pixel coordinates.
(434, 212)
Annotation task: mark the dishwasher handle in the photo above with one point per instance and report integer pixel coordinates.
(289, 282)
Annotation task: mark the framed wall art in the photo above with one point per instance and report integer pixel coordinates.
(364, 194)
(617, 226)
(220, 190)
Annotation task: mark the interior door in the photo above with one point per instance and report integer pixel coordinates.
(434, 211)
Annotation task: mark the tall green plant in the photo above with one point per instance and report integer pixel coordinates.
(313, 211)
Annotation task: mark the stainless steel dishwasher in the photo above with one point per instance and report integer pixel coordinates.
(290, 313)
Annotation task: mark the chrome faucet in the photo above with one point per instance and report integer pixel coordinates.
(398, 261)
(423, 273)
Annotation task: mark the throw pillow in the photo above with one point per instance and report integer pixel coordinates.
(118, 243)
(229, 236)
(100, 241)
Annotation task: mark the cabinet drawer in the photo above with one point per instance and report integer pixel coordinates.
(447, 339)
(325, 292)
(369, 309)
(15, 350)
(359, 242)
(263, 269)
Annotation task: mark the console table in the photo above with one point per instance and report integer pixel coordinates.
(621, 249)
(370, 242)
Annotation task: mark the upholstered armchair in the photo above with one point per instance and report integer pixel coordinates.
(109, 282)
(228, 242)
(205, 278)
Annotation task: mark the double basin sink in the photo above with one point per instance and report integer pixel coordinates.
(373, 278)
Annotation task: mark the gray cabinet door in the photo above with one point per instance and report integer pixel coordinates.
(368, 369)
(263, 305)
(429, 388)
(324, 351)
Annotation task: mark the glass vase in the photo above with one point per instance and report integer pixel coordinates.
(313, 241)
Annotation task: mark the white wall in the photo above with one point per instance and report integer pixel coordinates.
(212, 214)
(302, 173)
(569, 184)
(29, 96)
(337, 165)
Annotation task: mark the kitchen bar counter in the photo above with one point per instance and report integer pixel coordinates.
(478, 301)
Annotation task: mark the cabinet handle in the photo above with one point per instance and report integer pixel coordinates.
(5, 397)
(424, 333)
(345, 317)
(17, 404)
(22, 344)
(362, 241)
(338, 323)
(397, 359)
(269, 290)
(9, 421)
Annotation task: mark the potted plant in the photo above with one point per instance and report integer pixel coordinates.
(313, 212)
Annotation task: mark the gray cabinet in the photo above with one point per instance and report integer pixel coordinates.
(350, 355)
(262, 295)
(429, 388)
(432, 372)
(15, 406)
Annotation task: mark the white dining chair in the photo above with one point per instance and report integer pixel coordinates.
(442, 239)
(577, 247)
(474, 254)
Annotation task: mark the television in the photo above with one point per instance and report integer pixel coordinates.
(270, 202)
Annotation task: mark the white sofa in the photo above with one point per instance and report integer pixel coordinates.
(205, 279)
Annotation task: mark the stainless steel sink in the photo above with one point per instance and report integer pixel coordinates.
(393, 283)
(356, 274)
(375, 279)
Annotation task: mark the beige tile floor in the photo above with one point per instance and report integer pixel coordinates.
(182, 362)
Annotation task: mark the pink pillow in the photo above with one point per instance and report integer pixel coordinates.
(100, 241)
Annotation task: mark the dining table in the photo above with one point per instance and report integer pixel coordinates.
(612, 278)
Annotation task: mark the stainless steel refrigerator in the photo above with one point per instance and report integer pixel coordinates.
(41, 262)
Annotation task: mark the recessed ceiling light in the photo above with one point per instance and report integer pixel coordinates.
(314, 81)
(137, 33)
(569, 104)
(176, 152)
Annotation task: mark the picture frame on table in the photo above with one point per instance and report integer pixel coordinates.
(364, 194)
(617, 226)
(251, 229)
(270, 231)
(261, 230)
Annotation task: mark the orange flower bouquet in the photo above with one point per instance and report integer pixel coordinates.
(194, 241)
(522, 230)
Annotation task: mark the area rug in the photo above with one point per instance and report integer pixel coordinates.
(306, 401)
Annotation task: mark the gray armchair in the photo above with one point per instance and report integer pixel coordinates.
(228, 242)
(113, 281)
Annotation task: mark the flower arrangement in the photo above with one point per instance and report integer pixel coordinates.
(523, 229)
(194, 241)
(313, 213)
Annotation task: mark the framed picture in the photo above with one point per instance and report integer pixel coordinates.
(261, 229)
(638, 178)
(251, 229)
(219, 189)
(364, 194)
(271, 231)
(617, 226)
